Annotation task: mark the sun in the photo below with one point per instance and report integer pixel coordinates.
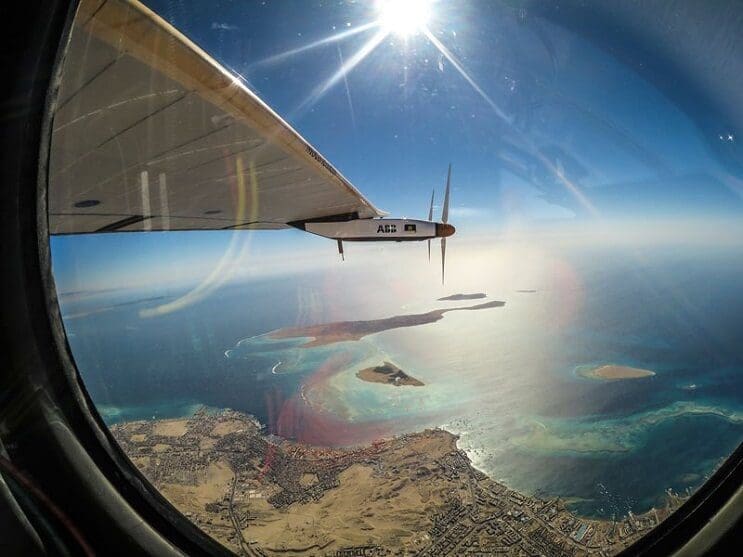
(403, 17)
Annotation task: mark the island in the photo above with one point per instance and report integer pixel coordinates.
(613, 372)
(459, 297)
(340, 331)
(415, 494)
(389, 374)
(526, 291)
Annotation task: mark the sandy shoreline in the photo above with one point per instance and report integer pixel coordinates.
(612, 372)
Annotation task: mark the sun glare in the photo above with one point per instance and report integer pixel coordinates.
(403, 17)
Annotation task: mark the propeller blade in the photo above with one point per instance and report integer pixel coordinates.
(340, 250)
(430, 218)
(445, 214)
(443, 258)
(445, 220)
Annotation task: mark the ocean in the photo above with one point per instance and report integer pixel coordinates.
(504, 379)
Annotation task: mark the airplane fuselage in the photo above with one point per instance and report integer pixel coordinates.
(380, 230)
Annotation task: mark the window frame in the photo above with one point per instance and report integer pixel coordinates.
(54, 432)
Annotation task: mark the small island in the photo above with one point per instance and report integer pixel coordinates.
(526, 291)
(613, 372)
(389, 374)
(460, 297)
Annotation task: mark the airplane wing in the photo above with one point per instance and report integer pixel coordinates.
(151, 133)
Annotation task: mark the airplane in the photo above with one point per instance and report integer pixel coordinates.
(153, 134)
(388, 230)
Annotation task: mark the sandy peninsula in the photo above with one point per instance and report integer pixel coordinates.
(328, 333)
(389, 374)
(613, 372)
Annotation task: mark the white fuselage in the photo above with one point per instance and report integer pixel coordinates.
(370, 230)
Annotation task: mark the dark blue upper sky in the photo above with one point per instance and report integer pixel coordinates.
(566, 106)
(543, 116)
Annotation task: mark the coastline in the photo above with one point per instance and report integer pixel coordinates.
(212, 465)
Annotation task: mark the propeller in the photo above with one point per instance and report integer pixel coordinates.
(445, 220)
(430, 218)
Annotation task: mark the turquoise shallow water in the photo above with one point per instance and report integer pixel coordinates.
(603, 464)
(502, 378)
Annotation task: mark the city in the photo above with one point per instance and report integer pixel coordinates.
(415, 494)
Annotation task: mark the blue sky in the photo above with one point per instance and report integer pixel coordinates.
(541, 124)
